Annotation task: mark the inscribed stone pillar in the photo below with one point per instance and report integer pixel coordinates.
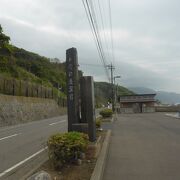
(72, 87)
(83, 100)
(89, 107)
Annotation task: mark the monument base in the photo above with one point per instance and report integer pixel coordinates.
(80, 127)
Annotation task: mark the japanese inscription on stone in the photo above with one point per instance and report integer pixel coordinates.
(70, 79)
(72, 86)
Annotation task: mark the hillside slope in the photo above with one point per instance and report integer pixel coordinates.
(24, 65)
(33, 67)
(103, 92)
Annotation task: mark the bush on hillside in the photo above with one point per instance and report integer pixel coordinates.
(66, 148)
(106, 113)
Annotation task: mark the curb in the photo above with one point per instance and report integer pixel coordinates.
(113, 118)
(109, 120)
(22, 171)
(101, 161)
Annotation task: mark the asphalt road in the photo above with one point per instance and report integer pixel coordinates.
(19, 142)
(144, 147)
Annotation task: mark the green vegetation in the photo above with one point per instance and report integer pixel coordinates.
(66, 148)
(98, 122)
(49, 73)
(6, 51)
(24, 65)
(103, 92)
(105, 113)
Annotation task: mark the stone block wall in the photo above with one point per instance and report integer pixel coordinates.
(18, 109)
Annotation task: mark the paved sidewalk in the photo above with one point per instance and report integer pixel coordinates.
(144, 147)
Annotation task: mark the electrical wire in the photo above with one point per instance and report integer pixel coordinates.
(111, 32)
(90, 12)
(103, 29)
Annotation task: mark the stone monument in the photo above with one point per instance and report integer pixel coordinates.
(72, 87)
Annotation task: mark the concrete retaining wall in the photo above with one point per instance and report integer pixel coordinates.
(131, 110)
(148, 109)
(17, 109)
(168, 109)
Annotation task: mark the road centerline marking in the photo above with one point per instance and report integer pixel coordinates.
(57, 122)
(7, 137)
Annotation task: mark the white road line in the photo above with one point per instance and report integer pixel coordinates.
(9, 136)
(26, 124)
(20, 163)
(57, 122)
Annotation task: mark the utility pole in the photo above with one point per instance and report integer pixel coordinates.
(111, 67)
(115, 91)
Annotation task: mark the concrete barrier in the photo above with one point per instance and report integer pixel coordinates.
(101, 161)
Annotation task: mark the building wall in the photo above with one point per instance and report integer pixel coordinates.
(126, 110)
(137, 107)
(148, 109)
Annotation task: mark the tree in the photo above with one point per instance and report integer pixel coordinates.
(6, 50)
(5, 47)
(3, 38)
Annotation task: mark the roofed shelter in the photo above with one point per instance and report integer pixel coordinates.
(141, 103)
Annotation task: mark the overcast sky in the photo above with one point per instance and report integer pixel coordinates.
(146, 35)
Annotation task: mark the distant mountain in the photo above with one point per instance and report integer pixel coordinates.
(142, 90)
(162, 96)
(168, 97)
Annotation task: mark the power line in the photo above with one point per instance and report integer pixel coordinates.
(103, 27)
(90, 12)
(111, 32)
(98, 35)
(94, 27)
(89, 20)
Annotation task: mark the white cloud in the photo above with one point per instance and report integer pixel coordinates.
(18, 21)
(145, 32)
